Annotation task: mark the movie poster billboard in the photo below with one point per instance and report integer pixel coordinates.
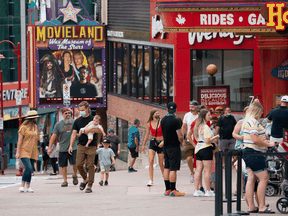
(73, 55)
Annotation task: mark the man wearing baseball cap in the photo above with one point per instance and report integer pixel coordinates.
(279, 119)
(189, 148)
(173, 137)
(64, 130)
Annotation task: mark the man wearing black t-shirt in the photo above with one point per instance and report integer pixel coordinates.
(171, 128)
(83, 89)
(279, 119)
(84, 153)
(224, 128)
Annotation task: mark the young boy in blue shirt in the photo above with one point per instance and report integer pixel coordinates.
(106, 154)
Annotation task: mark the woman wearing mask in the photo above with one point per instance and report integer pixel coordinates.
(204, 152)
(156, 143)
(27, 148)
(255, 142)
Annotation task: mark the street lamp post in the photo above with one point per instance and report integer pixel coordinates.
(18, 53)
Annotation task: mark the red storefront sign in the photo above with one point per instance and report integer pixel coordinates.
(240, 19)
(214, 97)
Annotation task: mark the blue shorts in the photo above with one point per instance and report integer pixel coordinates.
(255, 163)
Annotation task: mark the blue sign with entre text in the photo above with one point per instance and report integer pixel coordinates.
(281, 72)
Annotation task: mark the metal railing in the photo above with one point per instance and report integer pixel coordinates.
(228, 179)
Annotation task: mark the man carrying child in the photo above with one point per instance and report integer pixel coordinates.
(85, 153)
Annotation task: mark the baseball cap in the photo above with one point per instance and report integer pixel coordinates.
(193, 102)
(172, 107)
(65, 109)
(105, 141)
(111, 130)
(284, 99)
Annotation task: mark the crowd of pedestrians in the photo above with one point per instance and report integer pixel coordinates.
(167, 133)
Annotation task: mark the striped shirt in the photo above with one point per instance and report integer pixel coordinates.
(253, 127)
(203, 133)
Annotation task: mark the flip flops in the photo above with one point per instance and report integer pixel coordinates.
(254, 211)
(267, 211)
(75, 180)
(83, 185)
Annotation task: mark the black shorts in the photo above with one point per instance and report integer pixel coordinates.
(133, 152)
(45, 157)
(205, 154)
(65, 156)
(172, 158)
(154, 146)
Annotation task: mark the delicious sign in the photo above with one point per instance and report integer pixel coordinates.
(212, 97)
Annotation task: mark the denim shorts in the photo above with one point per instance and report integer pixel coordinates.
(255, 163)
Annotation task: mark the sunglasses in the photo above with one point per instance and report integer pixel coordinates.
(66, 113)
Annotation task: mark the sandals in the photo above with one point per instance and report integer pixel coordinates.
(64, 184)
(267, 211)
(254, 211)
(83, 185)
(75, 180)
(88, 190)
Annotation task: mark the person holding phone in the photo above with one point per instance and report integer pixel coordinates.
(204, 152)
(156, 143)
(255, 142)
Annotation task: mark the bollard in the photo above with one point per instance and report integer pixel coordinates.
(218, 184)
(239, 186)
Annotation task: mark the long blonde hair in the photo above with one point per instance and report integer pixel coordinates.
(255, 110)
(201, 121)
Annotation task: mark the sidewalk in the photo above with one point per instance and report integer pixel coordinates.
(127, 194)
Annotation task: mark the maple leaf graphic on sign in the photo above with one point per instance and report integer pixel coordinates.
(181, 20)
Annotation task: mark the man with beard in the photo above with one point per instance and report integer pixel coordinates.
(189, 148)
(49, 85)
(64, 130)
(83, 89)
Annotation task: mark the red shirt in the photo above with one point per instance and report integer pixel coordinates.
(153, 131)
(192, 128)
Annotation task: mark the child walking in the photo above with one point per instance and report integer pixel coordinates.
(92, 125)
(106, 154)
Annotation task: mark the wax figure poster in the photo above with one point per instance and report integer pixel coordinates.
(81, 70)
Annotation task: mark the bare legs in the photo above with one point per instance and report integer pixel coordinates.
(151, 163)
(200, 165)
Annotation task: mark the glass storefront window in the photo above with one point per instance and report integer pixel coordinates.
(122, 132)
(238, 74)
(235, 68)
(139, 71)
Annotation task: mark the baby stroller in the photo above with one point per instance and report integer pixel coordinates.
(275, 168)
(282, 203)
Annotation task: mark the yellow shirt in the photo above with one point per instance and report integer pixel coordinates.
(203, 134)
(253, 127)
(28, 148)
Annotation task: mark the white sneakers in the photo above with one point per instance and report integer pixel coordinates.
(192, 178)
(21, 189)
(198, 193)
(209, 194)
(150, 183)
(28, 190)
